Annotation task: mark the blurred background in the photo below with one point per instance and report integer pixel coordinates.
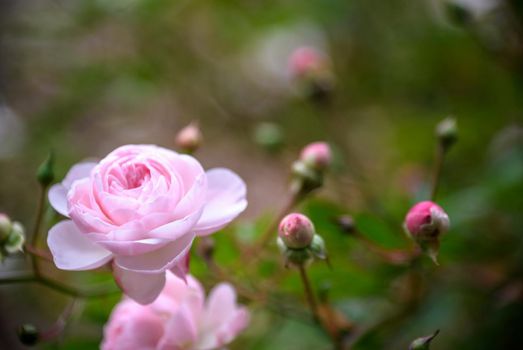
(82, 77)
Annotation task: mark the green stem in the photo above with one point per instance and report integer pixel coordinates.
(438, 166)
(271, 229)
(309, 294)
(38, 227)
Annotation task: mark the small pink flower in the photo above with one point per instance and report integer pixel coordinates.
(305, 60)
(179, 319)
(426, 220)
(141, 208)
(317, 155)
(296, 231)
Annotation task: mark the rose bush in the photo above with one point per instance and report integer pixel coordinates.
(140, 208)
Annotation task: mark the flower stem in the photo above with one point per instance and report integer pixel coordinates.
(309, 294)
(270, 231)
(438, 166)
(38, 227)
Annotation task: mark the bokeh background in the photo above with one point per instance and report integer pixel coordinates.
(81, 77)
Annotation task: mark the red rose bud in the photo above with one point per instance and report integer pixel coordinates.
(189, 139)
(317, 155)
(426, 222)
(296, 231)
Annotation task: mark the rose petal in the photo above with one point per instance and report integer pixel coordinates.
(158, 260)
(181, 329)
(58, 193)
(77, 172)
(223, 319)
(141, 287)
(58, 199)
(178, 228)
(225, 201)
(133, 247)
(72, 250)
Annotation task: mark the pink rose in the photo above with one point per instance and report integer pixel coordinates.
(426, 220)
(179, 319)
(141, 208)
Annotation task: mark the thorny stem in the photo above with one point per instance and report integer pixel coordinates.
(438, 166)
(309, 293)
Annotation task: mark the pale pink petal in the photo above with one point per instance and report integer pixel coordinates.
(159, 260)
(178, 228)
(180, 329)
(182, 268)
(58, 199)
(226, 199)
(133, 247)
(77, 172)
(221, 304)
(141, 287)
(132, 326)
(58, 192)
(223, 319)
(72, 250)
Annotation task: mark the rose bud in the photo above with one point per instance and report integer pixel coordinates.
(426, 222)
(28, 334)
(45, 173)
(16, 239)
(189, 139)
(296, 231)
(317, 155)
(5, 226)
(423, 343)
(447, 132)
(305, 61)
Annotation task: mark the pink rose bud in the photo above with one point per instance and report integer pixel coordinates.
(305, 60)
(189, 138)
(296, 231)
(426, 220)
(317, 155)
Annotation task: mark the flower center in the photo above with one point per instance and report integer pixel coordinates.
(136, 175)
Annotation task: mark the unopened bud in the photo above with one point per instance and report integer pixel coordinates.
(45, 173)
(317, 155)
(346, 224)
(189, 139)
(269, 136)
(296, 231)
(28, 334)
(294, 257)
(447, 132)
(5, 226)
(318, 247)
(15, 240)
(426, 222)
(305, 61)
(423, 343)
